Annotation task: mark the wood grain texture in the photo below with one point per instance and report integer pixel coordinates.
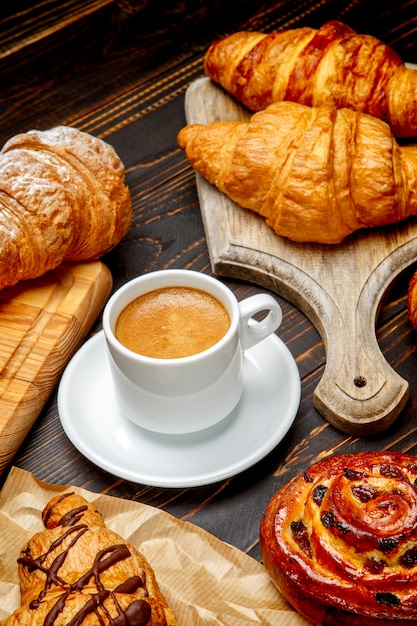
(42, 323)
(339, 288)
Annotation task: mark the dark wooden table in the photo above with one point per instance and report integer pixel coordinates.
(119, 70)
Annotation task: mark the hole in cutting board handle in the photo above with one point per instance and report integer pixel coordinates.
(359, 381)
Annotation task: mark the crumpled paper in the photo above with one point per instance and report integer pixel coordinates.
(205, 581)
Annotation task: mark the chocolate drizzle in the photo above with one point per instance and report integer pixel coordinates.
(51, 574)
(72, 517)
(47, 514)
(98, 602)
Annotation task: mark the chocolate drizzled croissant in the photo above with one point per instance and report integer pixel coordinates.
(63, 197)
(78, 572)
(340, 540)
(316, 174)
(333, 64)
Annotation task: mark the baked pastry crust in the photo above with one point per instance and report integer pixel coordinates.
(340, 540)
(316, 174)
(332, 64)
(412, 300)
(77, 571)
(63, 197)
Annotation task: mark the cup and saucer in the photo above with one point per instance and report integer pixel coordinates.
(92, 417)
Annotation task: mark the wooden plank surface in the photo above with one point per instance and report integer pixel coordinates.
(42, 323)
(25, 24)
(340, 288)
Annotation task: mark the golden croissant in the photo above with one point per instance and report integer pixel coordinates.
(62, 198)
(78, 572)
(333, 64)
(316, 174)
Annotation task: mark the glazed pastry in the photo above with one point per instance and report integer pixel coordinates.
(62, 198)
(339, 540)
(316, 174)
(77, 572)
(412, 300)
(333, 65)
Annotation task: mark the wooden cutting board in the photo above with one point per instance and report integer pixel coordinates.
(338, 287)
(42, 323)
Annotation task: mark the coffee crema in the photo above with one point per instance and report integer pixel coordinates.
(172, 322)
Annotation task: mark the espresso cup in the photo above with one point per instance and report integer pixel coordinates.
(188, 393)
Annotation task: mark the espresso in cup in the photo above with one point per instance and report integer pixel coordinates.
(173, 395)
(172, 322)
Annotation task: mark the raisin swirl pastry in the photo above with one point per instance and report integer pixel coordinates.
(340, 540)
(412, 300)
(78, 572)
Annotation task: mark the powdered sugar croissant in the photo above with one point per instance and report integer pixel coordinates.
(316, 174)
(333, 64)
(62, 197)
(77, 571)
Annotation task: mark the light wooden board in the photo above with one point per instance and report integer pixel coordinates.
(339, 288)
(42, 323)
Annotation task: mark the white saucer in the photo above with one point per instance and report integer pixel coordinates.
(94, 424)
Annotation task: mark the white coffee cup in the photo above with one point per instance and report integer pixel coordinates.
(187, 394)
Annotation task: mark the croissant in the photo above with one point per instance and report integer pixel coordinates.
(62, 198)
(333, 64)
(77, 571)
(339, 540)
(316, 174)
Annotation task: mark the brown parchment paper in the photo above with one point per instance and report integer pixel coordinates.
(205, 581)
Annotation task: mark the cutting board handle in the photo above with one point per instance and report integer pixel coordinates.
(359, 392)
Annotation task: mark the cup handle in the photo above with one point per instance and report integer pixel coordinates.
(252, 331)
